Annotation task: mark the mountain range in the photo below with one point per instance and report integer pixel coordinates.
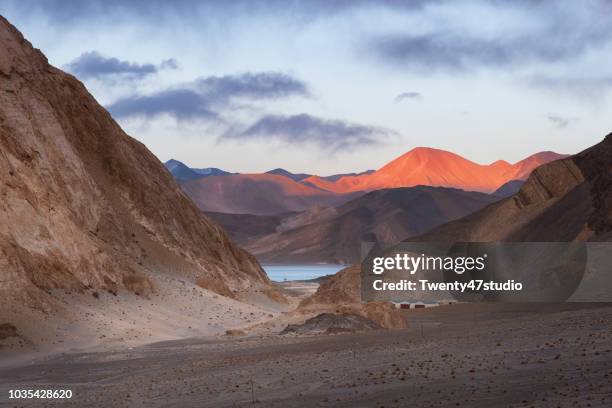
(259, 194)
(284, 217)
(280, 191)
(440, 168)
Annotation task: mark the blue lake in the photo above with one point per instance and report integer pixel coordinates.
(280, 273)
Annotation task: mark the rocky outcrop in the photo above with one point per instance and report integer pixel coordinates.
(596, 166)
(341, 294)
(83, 205)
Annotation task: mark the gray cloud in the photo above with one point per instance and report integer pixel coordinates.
(558, 121)
(62, 12)
(263, 85)
(94, 65)
(169, 63)
(408, 95)
(592, 88)
(564, 32)
(202, 98)
(183, 104)
(446, 51)
(332, 135)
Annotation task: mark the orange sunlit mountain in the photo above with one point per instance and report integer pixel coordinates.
(434, 167)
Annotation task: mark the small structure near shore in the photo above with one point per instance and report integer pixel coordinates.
(419, 305)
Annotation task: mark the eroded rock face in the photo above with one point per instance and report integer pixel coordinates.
(82, 204)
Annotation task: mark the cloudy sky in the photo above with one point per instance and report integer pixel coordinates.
(333, 86)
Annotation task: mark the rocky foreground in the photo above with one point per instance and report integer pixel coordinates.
(471, 355)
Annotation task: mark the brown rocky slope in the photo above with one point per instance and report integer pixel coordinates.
(83, 205)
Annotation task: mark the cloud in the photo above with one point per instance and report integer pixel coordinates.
(67, 11)
(559, 122)
(94, 65)
(511, 35)
(169, 63)
(447, 51)
(593, 88)
(264, 85)
(183, 104)
(408, 95)
(328, 134)
(202, 98)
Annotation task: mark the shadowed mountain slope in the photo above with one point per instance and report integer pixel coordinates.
(379, 216)
(508, 189)
(86, 206)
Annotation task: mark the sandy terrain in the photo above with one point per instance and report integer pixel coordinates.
(99, 320)
(460, 355)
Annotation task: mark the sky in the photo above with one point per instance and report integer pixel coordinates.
(326, 87)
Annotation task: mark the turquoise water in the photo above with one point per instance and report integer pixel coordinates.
(280, 273)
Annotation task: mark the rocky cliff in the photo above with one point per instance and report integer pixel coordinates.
(83, 205)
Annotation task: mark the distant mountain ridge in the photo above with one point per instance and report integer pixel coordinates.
(280, 191)
(292, 176)
(435, 167)
(182, 172)
(336, 177)
(258, 194)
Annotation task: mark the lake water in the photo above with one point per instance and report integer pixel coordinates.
(280, 273)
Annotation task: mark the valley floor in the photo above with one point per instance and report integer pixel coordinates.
(474, 355)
